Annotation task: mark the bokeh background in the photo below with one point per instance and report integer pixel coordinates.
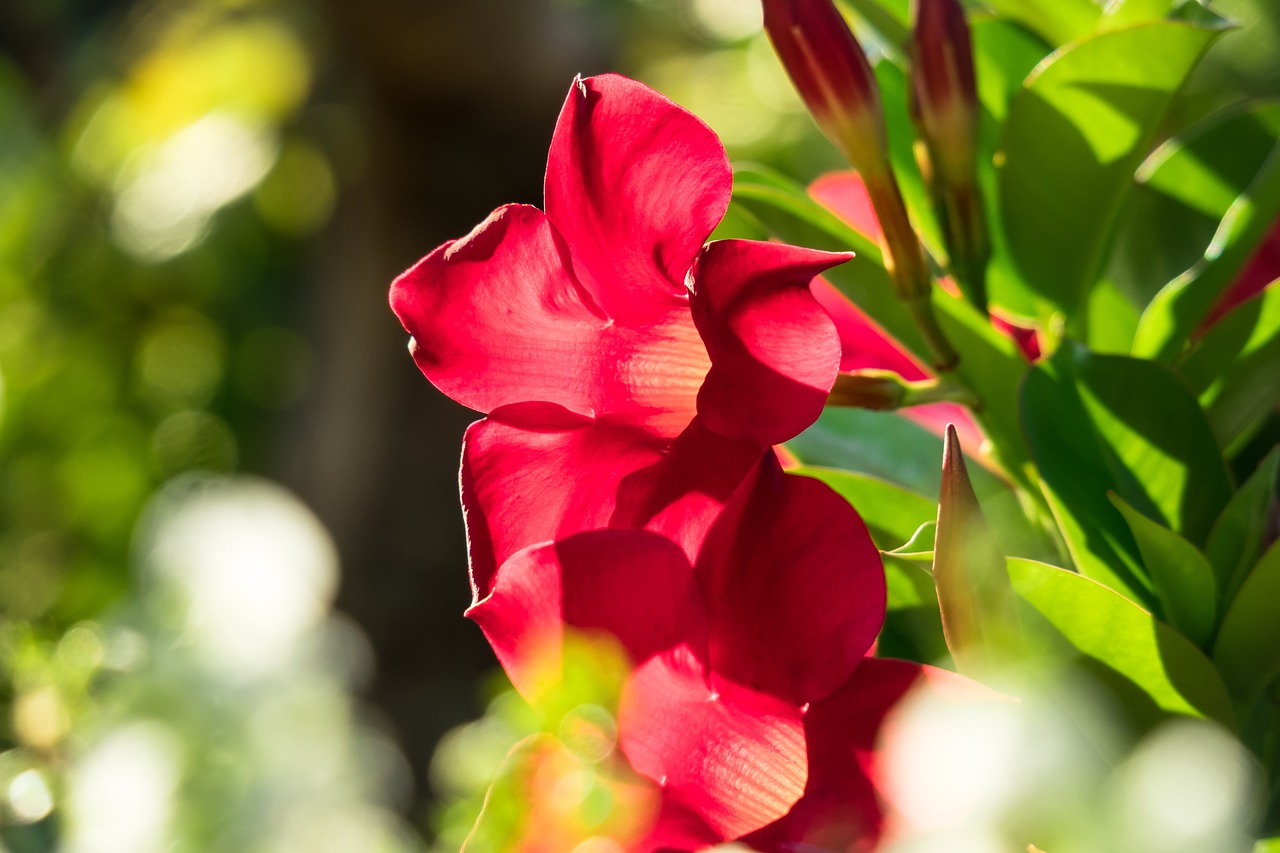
(232, 565)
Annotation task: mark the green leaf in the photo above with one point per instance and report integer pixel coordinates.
(889, 447)
(1236, 368)
(1236, 538)
(1128, 12)
(888, 20)
(1248, 647)
(1071, 460)
(1182, 576)
(902, 134)
(1243, 64)
(892, 514)
(1151, 669)
(1004, 54)
(1175, 312)
(1145, 438)
(1183, 191)
(1056, 21)
(912, 626)
(974, 595)
(1075, 134)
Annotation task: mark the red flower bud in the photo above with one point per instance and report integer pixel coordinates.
(944, 105)
(833, 76)
(943, 87)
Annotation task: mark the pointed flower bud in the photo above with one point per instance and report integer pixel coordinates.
(975, 595)
(944, 105)
(833, 76)
(943, 87)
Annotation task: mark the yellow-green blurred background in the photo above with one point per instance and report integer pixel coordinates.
(202, 203)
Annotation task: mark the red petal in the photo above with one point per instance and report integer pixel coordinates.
(774, 351)
(795, 586)
(839, 809)
(863, 344)
(532, 474)
(735, 758)
(497, 317)
(637, 586)
(635, 184)
(845, 194)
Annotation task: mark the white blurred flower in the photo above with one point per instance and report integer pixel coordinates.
(253, 567)
(120, 797)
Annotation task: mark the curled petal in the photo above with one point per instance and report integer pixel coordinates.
(795, 586)
(498, 318)
(774, 351)
(635, 184)
(735, 758)
(635, 585)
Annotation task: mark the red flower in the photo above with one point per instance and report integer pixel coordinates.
(631, 375)
(783, 600)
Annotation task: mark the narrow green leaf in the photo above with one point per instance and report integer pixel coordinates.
(1085, 120)
(1182, 576)
(1235, 368)
(1174, 313)
(1236, 538)
(974, 595)
(892, 514)
(1151, 669)
(1248, 647)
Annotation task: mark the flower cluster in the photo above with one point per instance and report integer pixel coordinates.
(634, 379)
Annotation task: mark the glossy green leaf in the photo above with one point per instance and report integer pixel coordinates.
(892, 514)
(974, 595)
(1243, 64)
(1236, 367)
(1004, 54)
(1145, 438)
(1179, 307)
(1075, 135)
(1067, 450)
(1150, 669)
(1183, 191)
(1056, 21)
(1182, 577)
(1236, 538)
(1248, 647)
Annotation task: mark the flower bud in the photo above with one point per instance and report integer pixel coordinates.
(945, 100)
(944, 105)
(833, 77)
